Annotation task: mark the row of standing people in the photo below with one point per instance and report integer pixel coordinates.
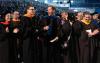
(49, 39)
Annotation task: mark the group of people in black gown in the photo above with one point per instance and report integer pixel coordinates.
(49, 39)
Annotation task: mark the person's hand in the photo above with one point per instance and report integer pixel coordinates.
(65, 45)
(7, 30)
(46, 28)
(16, 30)
(90, 34)
(95, 32)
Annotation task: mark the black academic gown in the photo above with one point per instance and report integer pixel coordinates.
(48, 35)
(98, 47)
(96, 54)
(87, 44)
(29, 31)
(76, 33)
(15, 43)
(64, 33)
(4, 45)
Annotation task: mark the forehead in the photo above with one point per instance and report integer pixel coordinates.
(49, 7)
(16, 12)
(64, 13)
(87, 15)
(80, 13)
(31, 8)
(8, 14)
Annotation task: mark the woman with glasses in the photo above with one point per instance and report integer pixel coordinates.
(29, 28)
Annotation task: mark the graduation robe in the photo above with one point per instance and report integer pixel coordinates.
(15, 42)
(64, 32)
(87, 44)
(76, 33)
(29, 28)
(4, 45)
(47, 35)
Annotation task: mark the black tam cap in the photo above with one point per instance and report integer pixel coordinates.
(94, 13)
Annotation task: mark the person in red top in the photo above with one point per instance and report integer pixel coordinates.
(4, 44)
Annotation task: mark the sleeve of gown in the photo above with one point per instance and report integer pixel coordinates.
(22, 27)
(42, 23)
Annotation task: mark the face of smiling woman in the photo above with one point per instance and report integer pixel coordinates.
(16, 15)
(8, 17)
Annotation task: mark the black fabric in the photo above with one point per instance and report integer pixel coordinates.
(64, 33)
(87, 45)
(29, 28)
(4, 45)
(15, 43)
(76, 33)
(47, 35)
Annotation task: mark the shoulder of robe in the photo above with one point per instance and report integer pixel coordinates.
(44, 17)
(36, 17)
(23, 16)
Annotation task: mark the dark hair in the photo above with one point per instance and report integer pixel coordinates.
(15, 11)
(77, 13)
(86, 13)
(3, 16)
(71, 17)
(27, 7)
(64, 12)
(52, 7)
(94, 13)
